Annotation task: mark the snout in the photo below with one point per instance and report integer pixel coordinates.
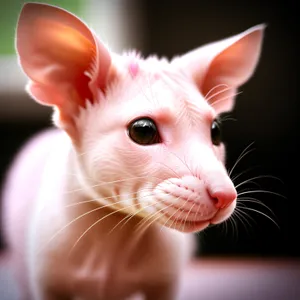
(190, 204)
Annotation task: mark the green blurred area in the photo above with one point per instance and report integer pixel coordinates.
(9, 13)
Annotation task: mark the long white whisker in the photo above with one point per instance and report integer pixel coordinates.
(217, 93)
(227, 118)
(180, 208)
(233, 179)
(143, 222)
(225, 98)
(74, 220)
(213, 88)
(106, 198)
(240, 207)
(261, 191)
(241, 218)
(130, 216)
(172, 215)
(81, 216)
(107, 183)
(257, 177)
(186, 201)
(184, 163)
(234, 226)
(243, 154)
(244, 214)
(253, 200)
(185, 220)
(263, 214)
(97, 222)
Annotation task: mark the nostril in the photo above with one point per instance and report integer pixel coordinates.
(222, 199)
(215, 200)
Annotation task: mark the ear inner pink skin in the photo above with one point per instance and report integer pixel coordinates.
(90, 211)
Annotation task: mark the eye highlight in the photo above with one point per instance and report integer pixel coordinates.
(144, 132)
(215, 132)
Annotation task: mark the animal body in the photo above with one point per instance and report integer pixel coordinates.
(105, 205)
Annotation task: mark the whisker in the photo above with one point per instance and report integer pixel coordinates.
(176, 174)
(253, 200)
(233, 179)
(110, 197)
(240, 207)
(233, 225)
(88, 212)
(184, 203)
(243, 154)
(115, 181)
(227, 118)
(78, 218)
(172, 215)
(225, 98)
(261, 191)
(108, 182)
(217, 93)
(130, 216)
(70, 223)
(97, 222)
(143, 222)
(157, 218)
(237, 216)
(185, 220)
(226, 227)
(82, 153)
(184, 163)
(257, 177)
(180, 208)
(236, 227)
(213, 88)
(243, 215)
(263, 214)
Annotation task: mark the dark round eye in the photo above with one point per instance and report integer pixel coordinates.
(144, 132)
(215, 132)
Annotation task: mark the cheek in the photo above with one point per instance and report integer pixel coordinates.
(149, 162)
(137, 162)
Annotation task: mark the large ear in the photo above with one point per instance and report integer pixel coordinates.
(63, 59)
(220, 68)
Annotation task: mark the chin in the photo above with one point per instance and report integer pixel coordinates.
(182, 224)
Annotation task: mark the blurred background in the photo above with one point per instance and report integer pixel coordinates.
(265, 113)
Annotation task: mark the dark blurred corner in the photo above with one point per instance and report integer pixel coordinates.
(265, 111)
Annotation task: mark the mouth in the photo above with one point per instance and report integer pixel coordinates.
(184, 225)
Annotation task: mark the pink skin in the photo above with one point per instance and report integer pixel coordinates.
(95, 208)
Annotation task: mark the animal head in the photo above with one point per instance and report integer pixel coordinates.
(145, 131)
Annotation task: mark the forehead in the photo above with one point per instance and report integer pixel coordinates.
(167, 96)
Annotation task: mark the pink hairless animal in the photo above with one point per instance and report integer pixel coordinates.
(105, 206)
